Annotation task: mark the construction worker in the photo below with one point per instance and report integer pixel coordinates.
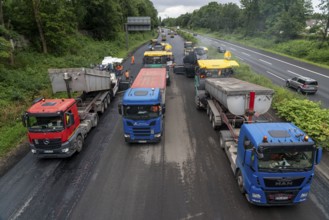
(132, 59)
(127, 75)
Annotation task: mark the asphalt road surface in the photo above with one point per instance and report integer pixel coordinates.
(186, 176)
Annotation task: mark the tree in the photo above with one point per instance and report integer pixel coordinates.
(38, 21)
(324, 7)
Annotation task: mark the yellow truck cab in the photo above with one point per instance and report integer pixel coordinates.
(213, 68)
(159, 59)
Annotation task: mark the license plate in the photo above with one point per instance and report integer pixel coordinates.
(141, 141)
(281, 198)
(48, 151)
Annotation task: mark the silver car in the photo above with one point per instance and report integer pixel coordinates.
(303, 84)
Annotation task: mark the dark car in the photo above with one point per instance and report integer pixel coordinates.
(303, 84)
(221, 49)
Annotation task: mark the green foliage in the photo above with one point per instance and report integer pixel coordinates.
(11, 136)
(307, 115)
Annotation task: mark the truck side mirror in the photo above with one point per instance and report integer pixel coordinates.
(163, 109)
(24, 118)
(318, 155)
(69, 119)
(120, 108)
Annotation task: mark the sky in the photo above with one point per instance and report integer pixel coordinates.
(175, 8)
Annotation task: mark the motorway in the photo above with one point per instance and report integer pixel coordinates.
(276, 67)
(186, 176)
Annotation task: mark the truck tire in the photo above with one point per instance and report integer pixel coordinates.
(96, 120)
(102, 108)
(79, 143)
(211, 116)
(239, 179)
(224, 136)
(214, 126)
(208, 110)
(287, 84)
(108, 99)
(105, 104)
(197, 103)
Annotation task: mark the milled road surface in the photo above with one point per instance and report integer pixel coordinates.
(186, 176)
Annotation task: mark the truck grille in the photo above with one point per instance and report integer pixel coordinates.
(283, 182)
(280, 197)
(47, 144)
(142, 131)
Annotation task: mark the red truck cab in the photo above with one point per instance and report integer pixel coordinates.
(53, 127)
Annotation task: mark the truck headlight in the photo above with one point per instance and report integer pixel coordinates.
(256, 195)
(127, 136)
(157, 135)
(33, 151)
(65, 150)
(303, 195)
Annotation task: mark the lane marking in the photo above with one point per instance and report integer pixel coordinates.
(239, 57)
(311, 71)
(293, 73)
(276, 76)
(265, 61)
(246, 54)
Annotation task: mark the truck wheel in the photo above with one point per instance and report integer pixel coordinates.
(210, 116)
(208, 110)
(79, 143)
(221, 141)
(102, 108)
(108, 99)
(214, 126)
(239, 179)
(197, 103)
(287, 84)
(96, 121)
(105, 104)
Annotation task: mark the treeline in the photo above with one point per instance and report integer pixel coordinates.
(281, 19)
(49, 26)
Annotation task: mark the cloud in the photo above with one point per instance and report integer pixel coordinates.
(176, 11)
(175, 8)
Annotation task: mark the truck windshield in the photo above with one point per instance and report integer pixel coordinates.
(215, 73)
(45, 123)
(286, 160)
(141, 112)
(155, 60)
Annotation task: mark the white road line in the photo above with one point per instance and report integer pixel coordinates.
(293, 73)
(276, 59)
(276, 75)
(265, 61)
(246, 54)
(239, 57)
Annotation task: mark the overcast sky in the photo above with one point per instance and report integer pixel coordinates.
(174, 8)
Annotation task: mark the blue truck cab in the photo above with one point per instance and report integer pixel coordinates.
(273, 162)
(142, 115)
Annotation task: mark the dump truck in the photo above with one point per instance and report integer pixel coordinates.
(273, 162)
(57, 127)
(188, 47)
(160, 59)
(152, 78)
(212, 68)
(142, 115)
